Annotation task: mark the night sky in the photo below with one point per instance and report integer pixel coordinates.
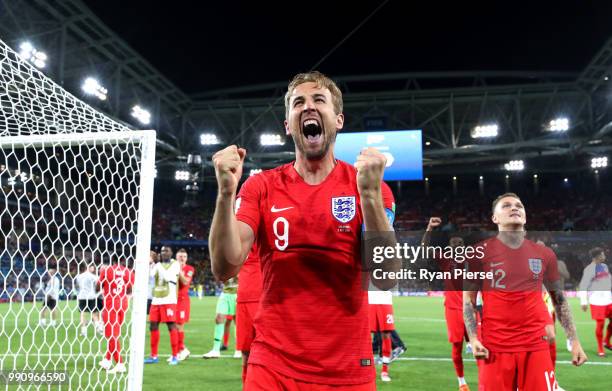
(208, 45)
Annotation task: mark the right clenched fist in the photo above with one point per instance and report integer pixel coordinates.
(433, 223)
(228, 168)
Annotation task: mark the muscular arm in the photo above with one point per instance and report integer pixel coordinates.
(230, 240)
(564, 314)
(469, 314)
(184, 280)
(469, 318)
(379, 232)
(565, 318)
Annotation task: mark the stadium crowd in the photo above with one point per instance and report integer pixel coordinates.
(21, 272)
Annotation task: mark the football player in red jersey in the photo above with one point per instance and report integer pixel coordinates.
(183, 304)
(115, 280)
(515, 323)
(247, 304)
(381, 321)
(306, 216)
(453, 305)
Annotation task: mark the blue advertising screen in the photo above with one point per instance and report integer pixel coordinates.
(402, 148)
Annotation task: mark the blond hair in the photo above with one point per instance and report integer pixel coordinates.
(496, 201)
(321, 81)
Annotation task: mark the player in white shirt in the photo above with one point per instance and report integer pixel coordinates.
(153, 259)
(51, 290)
(89, 300)
(163, 306)
(594, 289)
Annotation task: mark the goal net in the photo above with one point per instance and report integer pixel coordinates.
(76, 190)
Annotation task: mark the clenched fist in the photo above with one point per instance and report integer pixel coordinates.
(370, 167)
(228, 168)
(433, 223)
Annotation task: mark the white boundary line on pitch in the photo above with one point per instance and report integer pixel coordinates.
(198, 356)
(472, 360)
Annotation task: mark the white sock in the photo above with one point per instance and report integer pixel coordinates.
(43, 322)
(461, 381)
(84, 329)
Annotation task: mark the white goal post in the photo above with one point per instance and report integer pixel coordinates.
(67, 180)
(76, 189)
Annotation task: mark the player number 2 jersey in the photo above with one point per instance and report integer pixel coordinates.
(514, 314)
(313, 319)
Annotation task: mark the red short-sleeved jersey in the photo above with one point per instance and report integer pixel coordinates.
(453, 295)
(514, 314)
(313, 319)
(249, 278)
(183, 291)
(115, 281)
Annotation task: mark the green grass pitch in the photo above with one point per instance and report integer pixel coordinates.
(420, 321)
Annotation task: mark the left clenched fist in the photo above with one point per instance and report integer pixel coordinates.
(370, 167)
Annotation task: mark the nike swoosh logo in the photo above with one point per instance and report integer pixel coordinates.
(274, 209)
(496, 264)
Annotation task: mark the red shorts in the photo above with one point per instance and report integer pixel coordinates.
(381, 317)
(183, 310)
(113, 315)
(454, 325)
(527, 371)
(601, 312)
(163, 313)
(260, 378)
(245, 332)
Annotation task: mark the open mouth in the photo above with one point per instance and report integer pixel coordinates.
(312, 130)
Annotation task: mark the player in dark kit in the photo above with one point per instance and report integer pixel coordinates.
(312, 327)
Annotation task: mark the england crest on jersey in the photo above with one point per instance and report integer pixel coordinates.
(535, 265)
(343, 208)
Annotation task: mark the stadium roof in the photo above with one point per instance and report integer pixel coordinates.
(222, 68)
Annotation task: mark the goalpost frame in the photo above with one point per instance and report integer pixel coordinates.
(147, 139)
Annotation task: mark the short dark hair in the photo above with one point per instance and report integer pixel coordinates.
(496, 201)
(595, 252)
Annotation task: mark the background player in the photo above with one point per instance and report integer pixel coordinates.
(594, 289)
(381, 320)
(116, 281)
(226, 308)
(514, 320)
(183, 306)
(247, 305)
(163, 306)
(87, 297)
(51, 290)
(153, 259)
(453, 305)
